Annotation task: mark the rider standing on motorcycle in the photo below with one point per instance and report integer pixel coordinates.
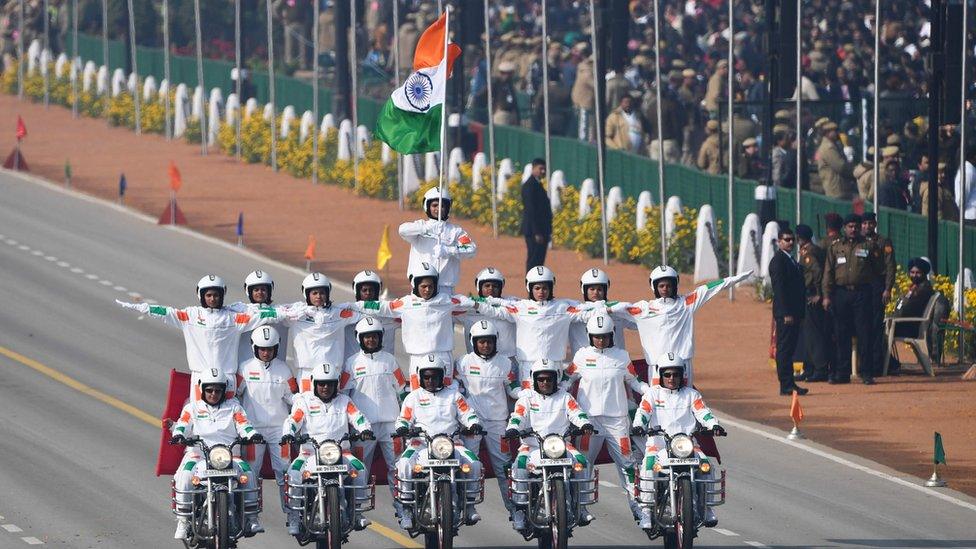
(217, 420)
(488, 379)
(373, 380)
(667, 323)
(258, 285)
(325, 414)
(545, 409)
(437, 242)
(265, 386)
(318, 336)
(211, 331)
(437, 410)
(368, 286)
(606, 376)
(489, 283)
(595, 286)
(676, 408)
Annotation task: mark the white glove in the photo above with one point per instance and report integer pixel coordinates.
(141, 307)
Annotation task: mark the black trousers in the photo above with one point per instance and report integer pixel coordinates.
(852, 316)
(536, 252)
(786, 338)
(817, 341)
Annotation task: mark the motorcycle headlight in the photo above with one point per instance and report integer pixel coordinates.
(442, 447)
(220, 457)
(329, 453)
(554, 447)
(682, 446)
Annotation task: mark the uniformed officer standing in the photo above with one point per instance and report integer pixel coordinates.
(881, 285)
(848, 273)
(835, 225)
(816, 322)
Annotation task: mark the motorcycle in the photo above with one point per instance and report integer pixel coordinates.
(676, 493)
(217, 514)
(327, 506)
(554, 495)
(437, 496)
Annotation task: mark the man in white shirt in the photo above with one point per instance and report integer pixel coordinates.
(969, 192)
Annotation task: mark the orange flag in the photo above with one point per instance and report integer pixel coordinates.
(310, 250)
(21, 128)
(175, 179)
(795, 411)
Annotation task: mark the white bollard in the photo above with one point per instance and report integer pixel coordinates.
(614, 197)
(526, 172)
(967, 282)
(769, 247)
(163, 88)
(345, 141)
(386, 154)
(587, 190)
(478, 165)
(74, 69)
(671, 209)
(328, 123)
(306, 126)
(750, 246)
(132, 83)
(432, 165)
(118, 82)
(33, 56)
(60, 64)
(362, 140)
(287, 117)
(213, 115)
(454, 162)
(268, 112)
(197, 106)
(644, 201)
(232, 109)
(250, 107)
(411, 173)
(149, 88)
(706, 240)
(88, 76)
(557, 182)
(44, 61)
(181, 110)
(102, 81)
(506, 169)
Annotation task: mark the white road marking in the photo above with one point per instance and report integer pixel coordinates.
(12, 242)
(77, 270)
(63, 264)
(31, 540)
(755, 544)
(23, 247)
(37, 253)
(725, 532)
(12, 528)
(104, 282)
(120, 289)
(50, 258)
(90, 276)
(136, 295)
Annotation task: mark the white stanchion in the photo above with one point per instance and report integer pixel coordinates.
(386, 154)
(164, 88)
(454, 162)
(644, 201)
(44, 61)
(411, 175)
(132, 83)
(103, 83)
(614, 198)
(345, 141)
(967, 283)
(181, 110)
(328, 123)
(214, 107)
(587, 190)
(33, 56)
(197, 106)
(232, 110)
(506, 169)
(526, 172)
(431, 166)
(88, 76)
(557, 182)
(60, 64)
(706, 239)
(478, 165)
(250, 107)
(287, 117)
(769, 247)
(306, 126)
(118, 82)
(149, 88)
(362, 140)
(671, 209)
(750, 245)
(268, 112)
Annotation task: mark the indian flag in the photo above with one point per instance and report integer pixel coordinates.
(410, 121)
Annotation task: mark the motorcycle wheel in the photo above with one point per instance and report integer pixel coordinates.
(222, 537)
(334, 537)
(558, 534)
(443, 538)
(684, 527)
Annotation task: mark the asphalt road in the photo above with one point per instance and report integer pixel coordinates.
(83, 381)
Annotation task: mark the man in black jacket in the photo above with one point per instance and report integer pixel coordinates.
(789, 304)
(536, 216)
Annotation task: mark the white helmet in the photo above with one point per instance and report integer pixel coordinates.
(483, 328)
(212, 376)
(669, 361)
(543, 365)
(424, 270)
(486, 274)
(592, 277)
(433, 362)
(539, 274)
(434, 194)
(599, 325)
(316, 280)
(257, 278)
(326, 371)
(208, 282)
(366, 277)
(264, 337)
(660, 272)
(368, 325)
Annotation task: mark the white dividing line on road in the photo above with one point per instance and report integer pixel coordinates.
(12, 528)
(725, 532)
(755, 544)
(31, 540)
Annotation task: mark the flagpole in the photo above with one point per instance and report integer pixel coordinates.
(396, 76)
(20, 53)
(315, 92)
(166, 75)
(355, 93)
(963, 171)
(799, 106)
(545, 84)
(599, 131)
(47, 46)
(731, 157)
(271, 87)
(203, 90)
(660, 131)
(107, 96)
(74, 57)
(443, 168)
(491, 129)
(877, 86)
(172, 207)
(136, 96)
(237, 84)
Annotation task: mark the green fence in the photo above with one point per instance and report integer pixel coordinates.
(632, 173)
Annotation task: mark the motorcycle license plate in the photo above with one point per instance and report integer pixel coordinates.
(442, 463)
(221, 472)
(320, 469)
(670, 462)
(561, 461)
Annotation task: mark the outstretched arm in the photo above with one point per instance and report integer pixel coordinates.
(703, 293)
(169, 315)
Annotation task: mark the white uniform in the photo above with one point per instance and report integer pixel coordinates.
(318, 337)
(220, 424)
(390, 326)
(437, 413)
(265, 390)
(488, 384)
(427, 325)
(505, 343)
(545, 415)
(668, 324)
(376, 386)
(244, 350)
(579, 338)
(676, 411)
(606, 377)
(324, 421)
(211, 335)
(441, 244)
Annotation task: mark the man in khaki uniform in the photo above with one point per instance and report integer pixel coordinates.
(835, 171)
(881, 286)
(849, 270)
(715, 91)
(625, 127)
(816, 322)
(583, 93)
(710, 158)
(948, 209)
(864, 175)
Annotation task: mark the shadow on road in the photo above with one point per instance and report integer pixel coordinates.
(919, 543)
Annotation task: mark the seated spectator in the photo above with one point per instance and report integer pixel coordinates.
(913, 304)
